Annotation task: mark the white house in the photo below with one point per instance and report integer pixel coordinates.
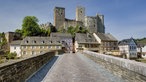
(141, 50)
(144, 52)
(15, 47)
(128, 48)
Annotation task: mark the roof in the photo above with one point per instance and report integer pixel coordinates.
(126, 41)
(61, 35)
(85, 38)
(16, 42)
(41, 41)
(106, 37)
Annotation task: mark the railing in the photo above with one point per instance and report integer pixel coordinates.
(21, 69)
(129, 70)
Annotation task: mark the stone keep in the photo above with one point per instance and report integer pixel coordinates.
(91, 24)
(100, 23)
(80, 14)
(59, 17)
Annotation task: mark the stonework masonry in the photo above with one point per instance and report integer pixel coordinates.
(21, 69)
(129, 70)
(94, 24)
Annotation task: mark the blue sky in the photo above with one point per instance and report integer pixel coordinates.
(123, 18)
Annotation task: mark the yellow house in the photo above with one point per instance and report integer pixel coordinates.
(35, 45)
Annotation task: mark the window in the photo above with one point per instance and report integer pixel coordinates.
(34, 41)
(41, 51)
(24, 52)
(26, 41)
(23, 47)
(32, 52)
(43, 42)
(31, 47)
(58, 47)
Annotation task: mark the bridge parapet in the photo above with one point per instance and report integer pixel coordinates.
(19, 70)
(129, 70)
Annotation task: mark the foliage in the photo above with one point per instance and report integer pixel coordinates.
(53, 29)
(45, 32)
(72, 30)
(30, 26)
(142, 40)
(3, 41)
(82, 30)
(11, 55)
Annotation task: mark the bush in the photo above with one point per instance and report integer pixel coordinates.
(11, 55)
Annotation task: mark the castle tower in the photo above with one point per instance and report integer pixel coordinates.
(80, 14)
(100, 23)
(59, 17)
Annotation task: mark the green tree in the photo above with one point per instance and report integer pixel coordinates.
(30, 26)
(3, 41)
(11, 55)
(45, 32)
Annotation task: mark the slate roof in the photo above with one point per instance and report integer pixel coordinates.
(85, 38)
(41, 41)
(106, 37)
(16, 42)
(126, 41)
(61, 35)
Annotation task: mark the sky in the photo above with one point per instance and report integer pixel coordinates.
(122, 18)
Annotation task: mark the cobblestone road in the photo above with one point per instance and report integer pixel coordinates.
(78, 68)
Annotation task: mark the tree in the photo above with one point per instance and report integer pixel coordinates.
(45, 32)
(30, 26)
(11, 55)
(3, 41)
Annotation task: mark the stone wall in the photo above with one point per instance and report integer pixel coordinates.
(21, 69)
(129, 70)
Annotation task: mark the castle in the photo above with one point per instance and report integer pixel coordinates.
(95, 24)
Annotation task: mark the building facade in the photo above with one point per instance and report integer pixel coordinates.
(65, 39)
(15, 47)
(108, 43)
(35, 45)
(128, 48)
(86, 42)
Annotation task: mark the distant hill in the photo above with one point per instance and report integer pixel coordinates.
(143, 40)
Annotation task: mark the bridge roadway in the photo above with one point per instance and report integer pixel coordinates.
(71, 67)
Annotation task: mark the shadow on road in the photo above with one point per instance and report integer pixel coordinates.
(39, 75)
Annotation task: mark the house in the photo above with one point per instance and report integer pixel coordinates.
(144, 51)
(65, 39)
(128, 48)
(86, 42)
(141, 50)
(108, 43)
(15, 47)
(36, 45)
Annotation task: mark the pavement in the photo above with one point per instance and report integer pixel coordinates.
(71, 67)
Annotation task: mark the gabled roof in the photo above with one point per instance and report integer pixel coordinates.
(65, 35)
(16, 42)
(126, 41)
(106, 37)
(41, 41)
(85, 38)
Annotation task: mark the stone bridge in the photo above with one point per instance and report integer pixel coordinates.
(83, 66)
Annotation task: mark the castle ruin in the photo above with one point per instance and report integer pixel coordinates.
(95, 24)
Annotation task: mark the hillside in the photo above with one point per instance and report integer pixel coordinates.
(143, 40)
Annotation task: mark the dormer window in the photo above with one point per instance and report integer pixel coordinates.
(43, 42)
(26, 41)
(34, 41)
